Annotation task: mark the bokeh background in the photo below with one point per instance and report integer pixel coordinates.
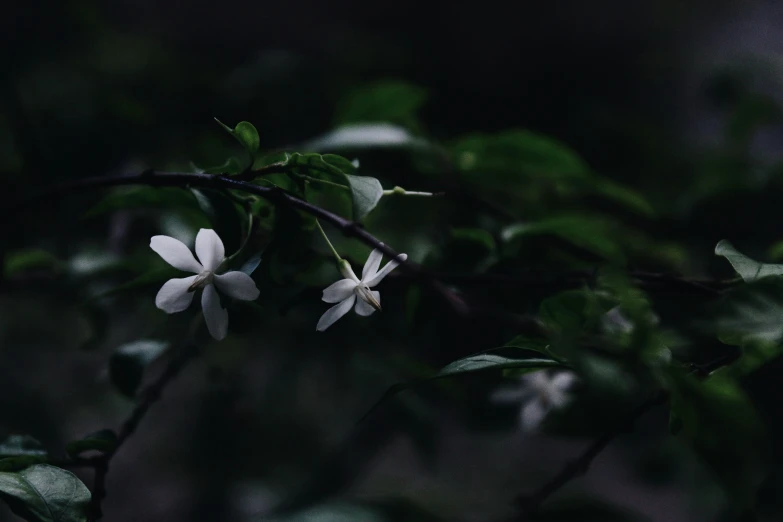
(677, 101)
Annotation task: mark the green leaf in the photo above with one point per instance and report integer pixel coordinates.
(103, 441)
(127, 364)
(572, 311)
(518, 152)
(20, 451)
(366, 192)
(526, 166)
(589, 233)
(33, 259)
(44, 493)
(750, 317)
(722, 426)
(393, 102)
(245, 133)
(486, 361)
(475, 235)
(533, 344)
(746, 267)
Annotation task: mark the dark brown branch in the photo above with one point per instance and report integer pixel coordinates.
(529, 504)
(149, 397)
(273, 194)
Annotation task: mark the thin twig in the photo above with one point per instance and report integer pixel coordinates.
(149, 397)
(275, 195)
(529, 504)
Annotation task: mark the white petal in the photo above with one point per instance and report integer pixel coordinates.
(537, 380)
(564, 380)
(209, 249)
(339, 291)
(533, 414)
(391, 265)
(215, 316)
(364, 308)
(509, 394)
(238, 285)
(334, 313)
(175, 253)
(173, 296)
(557, 398)
(372, 264)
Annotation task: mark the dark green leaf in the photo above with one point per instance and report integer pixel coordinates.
(20, 451)
(518, 152)
(571, 311)
(103, 441)
(44, 493)
(533, 344)
(393, 102)
(586, 232)
(366, 192)
(21, 261)
(127, 364)
(746, 267)
(475, 235)
(245, 133)
(722, 426)
(486, 361)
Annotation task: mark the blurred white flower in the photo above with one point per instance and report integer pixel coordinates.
(177, 294)
(538, 392)
(345, 291)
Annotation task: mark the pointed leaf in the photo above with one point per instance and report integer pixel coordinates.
(44, 493)
(366, 192)
(746, 267)
(475, 363)
(245, 133)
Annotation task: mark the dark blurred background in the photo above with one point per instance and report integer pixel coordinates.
(677, 100)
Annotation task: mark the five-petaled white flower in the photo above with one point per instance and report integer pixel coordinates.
(345, 291)
(177, 294)
(539, 392)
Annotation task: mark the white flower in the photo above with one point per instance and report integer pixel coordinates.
(539, 393)
(345, 291)
(177, 294)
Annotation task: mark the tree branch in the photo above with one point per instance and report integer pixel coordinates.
(529, 504)
(273, 194)
(149, 397)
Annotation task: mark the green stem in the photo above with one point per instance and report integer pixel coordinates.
(336, 255)
(399, 191)
(323, 181)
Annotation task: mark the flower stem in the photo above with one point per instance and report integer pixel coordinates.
(331, 247)
(399, 191)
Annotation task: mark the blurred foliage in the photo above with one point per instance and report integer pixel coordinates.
(549, 233)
